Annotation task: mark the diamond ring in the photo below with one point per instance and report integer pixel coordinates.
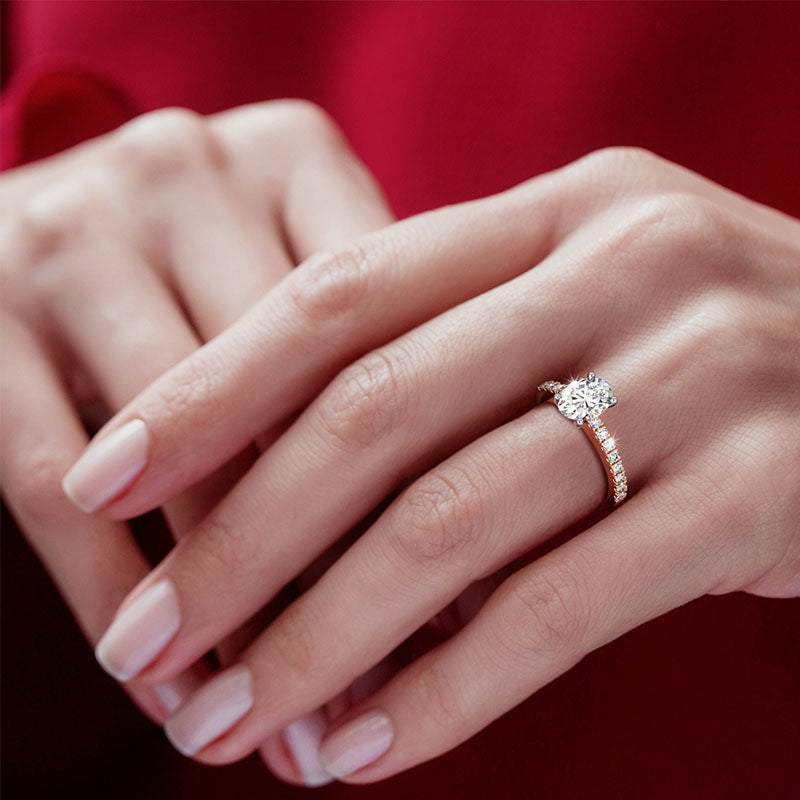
(582, 400)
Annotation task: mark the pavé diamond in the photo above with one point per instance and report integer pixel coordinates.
(585, 398)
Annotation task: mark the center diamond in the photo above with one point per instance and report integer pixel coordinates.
(585, 398)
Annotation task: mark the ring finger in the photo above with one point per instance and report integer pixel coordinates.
(465, 519)
(355, 443)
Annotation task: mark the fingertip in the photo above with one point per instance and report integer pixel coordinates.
(357, 743)
(107, 467)
(302, 739)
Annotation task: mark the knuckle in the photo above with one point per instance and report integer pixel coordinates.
(189, 392)
(292, 127)
(701, 224)
(438, 696)
(719, 335)
(621, 157)
(166, 144)
(610, 164)
(548, 615)
(56, 218)
(296, 126)
(440, 517)
(295, 640)
(662, 219)
(365, 402)
(330, 286)
(37, 495)
(221, 549)
(680, 229)
(307, 119)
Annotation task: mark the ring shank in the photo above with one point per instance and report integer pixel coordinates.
(603, 443)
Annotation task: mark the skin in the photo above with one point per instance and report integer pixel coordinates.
(401, 367)
(111, 274)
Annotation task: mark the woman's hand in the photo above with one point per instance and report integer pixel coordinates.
(119, 258)
(414, 356)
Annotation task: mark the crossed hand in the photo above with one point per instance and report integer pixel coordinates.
(328, 402)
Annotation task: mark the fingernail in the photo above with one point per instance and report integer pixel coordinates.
(211, 710)
(302, 738)
(107, 467)
(356, 744)
(140, 631)
(173, 693)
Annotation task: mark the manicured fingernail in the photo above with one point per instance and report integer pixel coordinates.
(107, 467)
(356, 744)
(173, 693)
(140, 631)
(211, 710)
(302, 738)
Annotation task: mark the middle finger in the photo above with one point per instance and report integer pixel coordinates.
(485, 506)
(349, 474)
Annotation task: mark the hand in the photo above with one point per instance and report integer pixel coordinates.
(412, 357)
(119, 258)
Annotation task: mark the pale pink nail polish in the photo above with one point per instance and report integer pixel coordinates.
(173, 693)
(140, 631)
(107, 467)
(302, 738)
(356, 744)
(211, 710)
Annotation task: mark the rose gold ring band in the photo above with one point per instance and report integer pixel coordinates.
(576, 400)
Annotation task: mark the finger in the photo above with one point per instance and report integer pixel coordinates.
(631, 567)
(219, 252)
(93, 562)
(122, 325)
(445, 531)
(351, 449)
(325, 194)
(469, 516)
(299, 335)
(292, 754)
(223, 250)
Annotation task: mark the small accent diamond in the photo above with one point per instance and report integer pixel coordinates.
(613, 456)
(602, 433)
(608, 444)
(617, 467)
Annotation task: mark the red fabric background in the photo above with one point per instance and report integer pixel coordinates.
(444, 101)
